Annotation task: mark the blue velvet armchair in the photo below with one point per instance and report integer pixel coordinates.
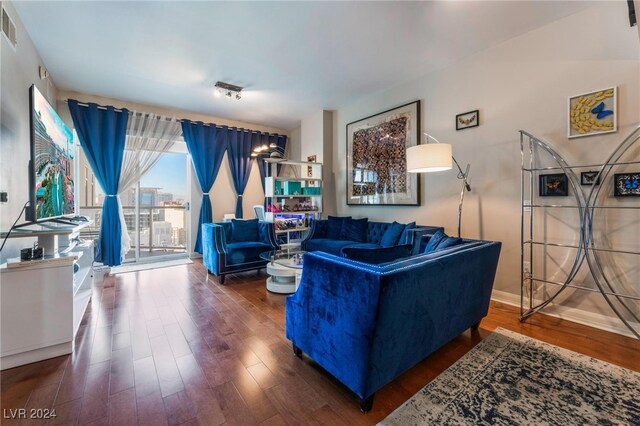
(222, 255)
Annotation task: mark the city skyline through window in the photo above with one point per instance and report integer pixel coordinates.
(168, 178)
(158, 227)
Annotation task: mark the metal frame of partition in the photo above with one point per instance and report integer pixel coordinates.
(587, 249)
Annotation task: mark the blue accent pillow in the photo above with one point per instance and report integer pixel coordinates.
(377, 255)
(244, 230)
(354, 230)
(405, 238)
(392, 235)
(449, 242)
(334, 227)
(433, 242)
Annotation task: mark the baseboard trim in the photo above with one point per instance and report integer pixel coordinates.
(591, 319)
(10, 361)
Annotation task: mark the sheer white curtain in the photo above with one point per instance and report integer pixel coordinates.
(148, 137)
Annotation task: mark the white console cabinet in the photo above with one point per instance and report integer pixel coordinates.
(42, 302)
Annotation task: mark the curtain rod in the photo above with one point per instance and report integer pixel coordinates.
(181, 120)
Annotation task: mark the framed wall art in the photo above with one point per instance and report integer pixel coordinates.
(377, 160)
(589, 178)
(554, 185)
(467, 120)
(626, 184)
(592, 113)
(311, 159)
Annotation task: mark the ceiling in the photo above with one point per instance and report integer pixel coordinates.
(293, 58)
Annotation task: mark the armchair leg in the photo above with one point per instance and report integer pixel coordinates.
(475, 326)
(297, 351)
(221, 279)
(366, 404)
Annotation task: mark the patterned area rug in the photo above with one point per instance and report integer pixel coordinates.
(510, 379)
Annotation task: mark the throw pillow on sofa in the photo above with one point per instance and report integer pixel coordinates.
(377, 255)
(354, 230)
(391, 236)
(405, 237)
(449, 242)
(334, 226)
(440, 241)
(433, 242)
(244, 230)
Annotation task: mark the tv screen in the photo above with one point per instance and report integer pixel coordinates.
(52, 161)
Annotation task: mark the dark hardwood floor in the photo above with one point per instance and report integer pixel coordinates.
(165, 346)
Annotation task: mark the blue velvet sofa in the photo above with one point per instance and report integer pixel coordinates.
(366, 324)
(320, 237)
(222, 254)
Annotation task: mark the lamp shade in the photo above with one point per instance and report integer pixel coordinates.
(431, 157)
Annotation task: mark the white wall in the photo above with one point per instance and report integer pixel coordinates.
(19, 70)
(312, 136)
(294, 145)
(317, 139)
(522, 83)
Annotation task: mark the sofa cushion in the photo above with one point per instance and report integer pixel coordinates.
(328, 245)
(354, 230)
(247, 251)
(449, 242)
(392, 235)
(377, 255)
(244, 230)
(433, 242)
(404, 238)
(334, 226)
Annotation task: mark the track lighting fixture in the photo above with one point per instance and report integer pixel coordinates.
(229, 90)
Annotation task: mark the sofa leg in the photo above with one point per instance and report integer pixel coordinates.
(475, 326)
(366, 404)
(297, 351)
(221, 279)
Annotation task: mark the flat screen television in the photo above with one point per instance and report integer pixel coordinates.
(52, 189)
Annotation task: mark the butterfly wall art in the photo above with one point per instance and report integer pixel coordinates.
(593, 113)
(626, 184)
(467, 120)
(554, 185)
(589, 178)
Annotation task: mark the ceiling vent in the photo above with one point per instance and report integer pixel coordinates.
(8, 28)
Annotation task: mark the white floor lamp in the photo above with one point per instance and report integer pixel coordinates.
(437, 157)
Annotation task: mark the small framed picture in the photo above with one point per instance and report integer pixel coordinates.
(592, 113)
(311, 159)
(554, 185)
(589, 178)
(468, 120)
(626, 184)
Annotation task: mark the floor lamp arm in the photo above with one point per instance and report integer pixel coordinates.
(465, 185)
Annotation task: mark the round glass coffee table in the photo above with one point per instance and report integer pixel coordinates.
(284, 268)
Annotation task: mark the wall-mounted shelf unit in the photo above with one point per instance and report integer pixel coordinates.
(294, 199)
(601, 255)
